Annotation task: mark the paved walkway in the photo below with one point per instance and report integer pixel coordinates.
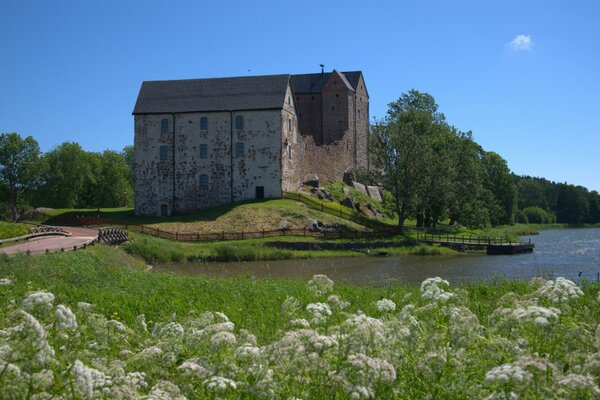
(79, 237)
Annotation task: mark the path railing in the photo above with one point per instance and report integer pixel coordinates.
(468, 240)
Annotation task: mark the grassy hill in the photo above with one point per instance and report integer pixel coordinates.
(243, 216)
(10, 229)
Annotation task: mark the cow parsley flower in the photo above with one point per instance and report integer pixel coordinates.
(559, 291)
(116, 325)
(320, 285)
(165, 390)
(38, 338)
(247, 351)
(223, 338)
(338, 302)
(66, 318)
(580, 382)
(372, 369)
(319, 311)
(38, 300)
(219, 384)
(385, 305)
(192, 367)
(290, 306)
(432, 289)
(300, 323)
(507, 373)
(87, 380)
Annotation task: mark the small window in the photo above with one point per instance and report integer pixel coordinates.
(164, 153)
(203, 182)
(358, 113)
(164, 210)
(289, 151)
(203, 151)
(239, 122)
(203, 124)
(164, 125)
(289, 124)
(332, 108)
(239, 149)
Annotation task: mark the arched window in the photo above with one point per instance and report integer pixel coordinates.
(239, 122)
(203, 182)
(164, 125)
(289, 124)
(290, 151)
(203, 151)
(203, 124)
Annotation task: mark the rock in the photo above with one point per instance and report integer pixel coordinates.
(347, 202)
(313, 225)
(367, 211)
(321, 193)
(312, 180)
(285, 225)
(375, 193)
(346, 191)
(348, 176)
(360, 187)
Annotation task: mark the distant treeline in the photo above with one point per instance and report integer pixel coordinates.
(541, 201)
(65, 177)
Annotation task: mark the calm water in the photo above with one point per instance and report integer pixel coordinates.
(564, 252)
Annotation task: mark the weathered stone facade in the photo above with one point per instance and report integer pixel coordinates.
(253, 143)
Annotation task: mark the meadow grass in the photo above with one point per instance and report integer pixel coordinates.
(145, 335)
(12, 229)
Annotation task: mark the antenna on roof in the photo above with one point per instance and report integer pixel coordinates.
(322, 67)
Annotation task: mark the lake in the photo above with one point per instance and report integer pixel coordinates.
(571, 253)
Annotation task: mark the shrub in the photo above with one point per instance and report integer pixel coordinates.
(537, 215)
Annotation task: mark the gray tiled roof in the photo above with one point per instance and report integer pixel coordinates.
(215, 94)
(313, 83)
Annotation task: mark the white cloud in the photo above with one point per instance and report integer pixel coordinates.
(520, 42)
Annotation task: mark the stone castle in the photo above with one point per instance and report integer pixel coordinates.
(206, 142)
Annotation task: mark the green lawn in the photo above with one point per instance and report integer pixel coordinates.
(11, 229)
(156, 335)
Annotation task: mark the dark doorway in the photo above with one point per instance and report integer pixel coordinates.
(163, 210)
(260, 192)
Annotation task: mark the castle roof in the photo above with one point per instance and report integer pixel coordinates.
(214, 94)
(225, 94)
(313, 83)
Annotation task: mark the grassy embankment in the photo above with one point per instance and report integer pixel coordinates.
(502, 339)
(10, 229)
(246, 216)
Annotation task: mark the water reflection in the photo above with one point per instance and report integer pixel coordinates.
(572, 253)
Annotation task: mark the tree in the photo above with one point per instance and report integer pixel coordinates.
(128, 154)
(18, 168)
(401, 149)
(499, 183)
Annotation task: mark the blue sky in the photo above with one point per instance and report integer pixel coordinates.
(71, 70)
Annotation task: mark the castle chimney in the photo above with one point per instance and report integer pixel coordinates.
(322, 68)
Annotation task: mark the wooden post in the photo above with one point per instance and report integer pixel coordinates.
(242, 234)
(223, 235)
(197, 236)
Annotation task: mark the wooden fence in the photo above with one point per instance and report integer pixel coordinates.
(201, 237)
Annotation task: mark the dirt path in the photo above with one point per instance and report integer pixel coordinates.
(78, 238)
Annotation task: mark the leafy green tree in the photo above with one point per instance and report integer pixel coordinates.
(401, 150)
(498, 182)
(18, 168)
(572, 205)
(67, 173)
(112, 187)
(128, 154)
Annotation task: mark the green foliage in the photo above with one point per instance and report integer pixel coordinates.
(9, 230)
(18, 169)
(537, 215)
(497, 180)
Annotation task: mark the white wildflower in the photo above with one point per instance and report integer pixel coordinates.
(83, 306)
(66, 318)
(223, 338)
(87, 380)
(38, 300)
(136, 380)
(220, 384)
(222, 317)
(141, 321)
(536, 314)
(300, 323)
(358, 392)
(116, 325)
(38, 338)
(372, 369)
(320, 285)
(319, 312)
(385, 305)
(559, 291)
(432, 289)
(170, 330)
(192, 367)
(5, 281)
(247, 351)
(164, 390)
(580, 382)
(338, 302)
(507, 373)
(152, 351)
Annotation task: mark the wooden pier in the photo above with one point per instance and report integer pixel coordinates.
(492, 245)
